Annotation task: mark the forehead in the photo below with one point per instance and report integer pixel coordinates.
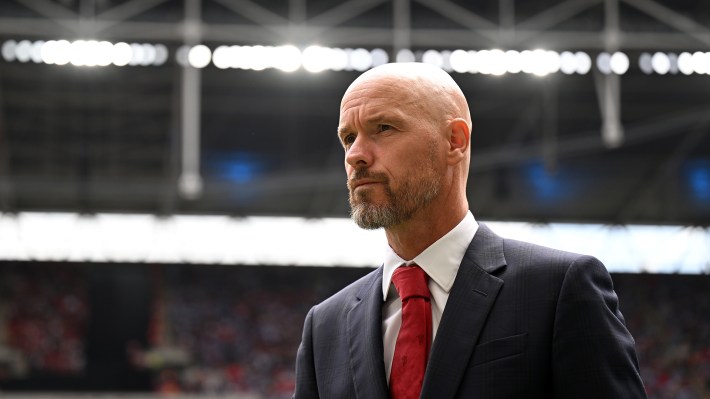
(378, 96)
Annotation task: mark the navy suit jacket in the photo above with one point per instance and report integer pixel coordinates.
(521, 321)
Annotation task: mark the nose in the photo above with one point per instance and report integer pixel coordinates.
(359, 155)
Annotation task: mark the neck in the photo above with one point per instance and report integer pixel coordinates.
(424, 228)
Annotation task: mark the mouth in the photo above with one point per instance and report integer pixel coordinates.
(363, 183)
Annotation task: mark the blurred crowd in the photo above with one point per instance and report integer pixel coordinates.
(236, 329)
(241, 330)
(43, 318)
(669, 317)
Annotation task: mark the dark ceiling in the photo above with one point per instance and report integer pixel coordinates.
(108, 139)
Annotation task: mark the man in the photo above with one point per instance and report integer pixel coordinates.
(488, 317)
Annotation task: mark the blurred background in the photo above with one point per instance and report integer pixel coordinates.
(172, 194)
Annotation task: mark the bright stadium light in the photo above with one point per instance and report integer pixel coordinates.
(673, 58)
(433, 57)
(513, 61)
(701, 62)
(121, 54)
(584, 62)
(379, 57)
(459, 61)
(199, 56)
(660, 63)
(149, 54)
(360, 59)
(325, 242)
(645, 63)
(540, 62)
(405, 55)
(474, 62)
(221, 57)
(8, 50)
(22, 51)
(287, 58)
(568, 63)
(316, 59)
(685, 63)
(161, 54)
(104, 53)
(619, 63)
(181, 55)
(492, 62)
(604, 63)
(340, 60)
(139, 55)
(260, 57)
(36, 51)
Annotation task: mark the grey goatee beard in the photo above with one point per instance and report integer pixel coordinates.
(400, 204)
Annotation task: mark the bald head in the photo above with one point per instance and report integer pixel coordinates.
(430, 87)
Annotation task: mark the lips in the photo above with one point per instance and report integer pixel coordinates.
(363, 183)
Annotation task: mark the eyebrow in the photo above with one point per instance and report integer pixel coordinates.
(375, 120)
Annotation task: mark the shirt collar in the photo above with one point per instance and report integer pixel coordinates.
(440, 260)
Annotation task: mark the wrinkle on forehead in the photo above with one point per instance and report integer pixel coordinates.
(430, 88)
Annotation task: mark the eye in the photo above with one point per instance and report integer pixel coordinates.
(349, 139)
(382, 128)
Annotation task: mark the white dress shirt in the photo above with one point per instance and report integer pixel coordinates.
(441, 262)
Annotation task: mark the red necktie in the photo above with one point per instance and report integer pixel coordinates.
(412, 348)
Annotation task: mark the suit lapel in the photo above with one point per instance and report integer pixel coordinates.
(470, 300)
(365, 340)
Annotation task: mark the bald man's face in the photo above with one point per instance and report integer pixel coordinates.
(393, 151)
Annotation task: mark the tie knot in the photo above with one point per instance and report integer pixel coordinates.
(410, 281)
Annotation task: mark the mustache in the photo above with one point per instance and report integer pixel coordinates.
(361, 174)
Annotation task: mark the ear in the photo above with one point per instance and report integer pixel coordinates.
(459, 140)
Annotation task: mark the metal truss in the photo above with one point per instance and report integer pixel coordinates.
(469, 29)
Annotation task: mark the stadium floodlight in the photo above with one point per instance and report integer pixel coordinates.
(673, 58)
(568, 63)
(701, 62)
(604, 63)
(619, 63)
(161, 54)
(36, 51)
(660, 63)
(584, 62)
(339, 59)
(379, 57)
(460, 61)
(360, 60)
(540, 62)
(221, 57)
(199, 56)
(685, 63)
(433, 57)
(104, 53)
(121, 54)
(405, 55)
(137, 55)
(287, 58)
(513, 61)
(78, 53)
(496, 62)
(149, 54)
(260, 57)
(8, 50)
(316, 59)
(22, 51)
(474, 62)
(645, 63)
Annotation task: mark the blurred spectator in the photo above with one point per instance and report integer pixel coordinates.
(44, 316)
(669, 316)
(236, 329)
